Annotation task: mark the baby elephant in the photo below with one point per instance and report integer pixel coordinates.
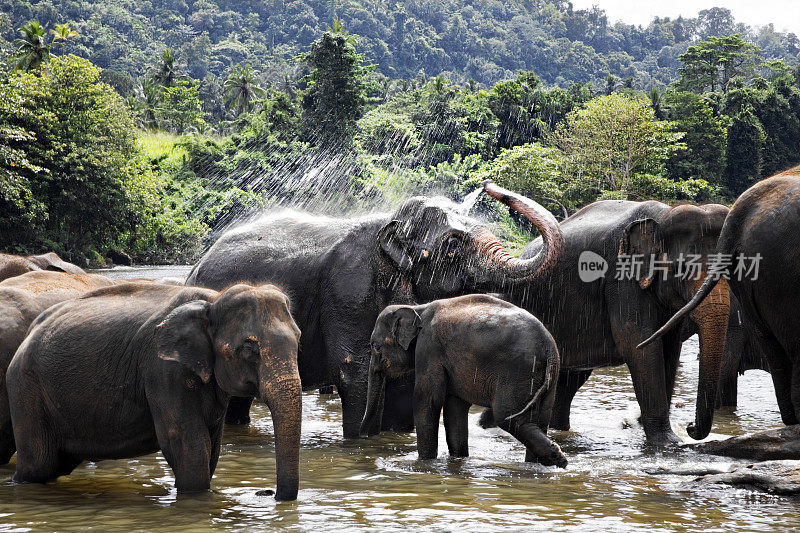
(135, 368)
(468, 350)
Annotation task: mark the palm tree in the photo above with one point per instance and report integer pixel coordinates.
(167, 72)
(242, 89)
(32, 48)
(62, 34)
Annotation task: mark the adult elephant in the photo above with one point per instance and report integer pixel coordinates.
(340, 273)
(597, 316)
(741, 354)
(22, 298)
(761, 230)
(14, 265)
(131, 369)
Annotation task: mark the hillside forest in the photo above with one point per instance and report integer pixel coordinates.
(148, 127)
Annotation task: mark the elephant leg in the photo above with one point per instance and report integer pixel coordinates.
(238, 413)
(650, 384)
(429, 397)
(456, 428)
(728, 391)
(7, 445)
(187, 448)
(66, 464)
(398, 410)
(215, 435)
(781, 370)
(538, 447)
(672, 357)
(568, 385)
(38, 458)
(327, 389)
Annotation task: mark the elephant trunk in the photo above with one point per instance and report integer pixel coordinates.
(711, 317)
(507, 267)
(283, 396)
(376, 390)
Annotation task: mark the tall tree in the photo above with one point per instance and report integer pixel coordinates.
(167, 72)
(33, 48)
(335, 96)
(242, 88)
(615, 137)
(705, 133)
(744, 152)
(715, 61)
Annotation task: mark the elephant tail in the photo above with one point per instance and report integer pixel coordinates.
(553, 364)
(487, 420)
(704, 290)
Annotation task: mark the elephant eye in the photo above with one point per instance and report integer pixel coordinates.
(452, 245)
(250, 350)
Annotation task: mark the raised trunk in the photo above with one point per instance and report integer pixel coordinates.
(371, 425)
(283, 396)
(711, 317)
(502, 264)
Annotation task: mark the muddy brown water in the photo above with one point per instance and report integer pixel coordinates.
(377, 484)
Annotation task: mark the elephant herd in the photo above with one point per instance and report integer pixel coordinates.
(407, 314)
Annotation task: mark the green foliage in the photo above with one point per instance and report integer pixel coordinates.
(84, 138)
(704, 137)
(242, 89)
(715, 61)
(745, 152)
(335, 96)
(614, 138)
(178, 108)
(486, 41)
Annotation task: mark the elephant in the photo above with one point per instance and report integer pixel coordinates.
(340, 273)
(758, 258)
(598, 316)
(131, 369)
(22, 298)
(14, 265)
(740, 355)
(463, 351)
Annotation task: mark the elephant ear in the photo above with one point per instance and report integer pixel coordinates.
(51, 261)
(184, 337)
(393, 246)
(639, 239)
(406, 326)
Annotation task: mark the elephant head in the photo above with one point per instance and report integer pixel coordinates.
(247, 341)
(392, 355)
(51, 261)
(683, 237)
(447, 253)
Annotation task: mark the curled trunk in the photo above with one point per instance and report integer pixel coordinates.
(501, 263)
(283, 396)
(711, 317)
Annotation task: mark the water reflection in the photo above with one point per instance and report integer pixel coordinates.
(379, 484)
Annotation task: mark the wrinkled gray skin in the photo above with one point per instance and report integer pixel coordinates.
(14, 265)
(741, 354)
(22, 298)
(763, 223)
(131, 369)
(340, 273)
(469, 350)
(599, 323)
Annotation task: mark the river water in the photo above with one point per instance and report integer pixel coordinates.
(378, 485)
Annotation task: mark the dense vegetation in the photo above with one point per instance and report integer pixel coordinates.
(151, 155)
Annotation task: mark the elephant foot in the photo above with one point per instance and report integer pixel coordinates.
(487, 420)
(663, 439)
(559, 423)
